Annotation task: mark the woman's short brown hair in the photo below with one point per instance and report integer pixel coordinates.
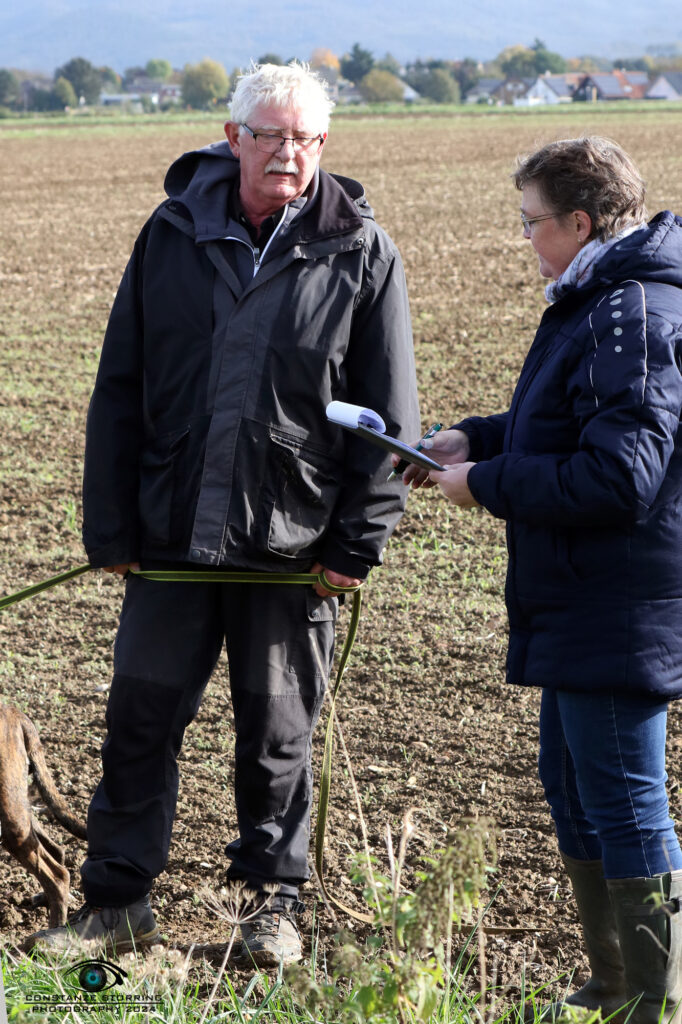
(592, 174)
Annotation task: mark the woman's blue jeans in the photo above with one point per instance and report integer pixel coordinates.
(602, 765)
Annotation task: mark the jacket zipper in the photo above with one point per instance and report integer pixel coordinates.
(256, 252)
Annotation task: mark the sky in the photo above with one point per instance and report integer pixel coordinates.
(42, 34)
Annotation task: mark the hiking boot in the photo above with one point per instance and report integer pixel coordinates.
(272, 938)
(113, 928)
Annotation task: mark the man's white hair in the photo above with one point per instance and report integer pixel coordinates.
(282, 85)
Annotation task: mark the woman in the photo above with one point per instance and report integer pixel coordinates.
(586, 469)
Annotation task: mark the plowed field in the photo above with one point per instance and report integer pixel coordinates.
(427, 718)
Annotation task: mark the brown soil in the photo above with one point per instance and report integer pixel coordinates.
(427, 718)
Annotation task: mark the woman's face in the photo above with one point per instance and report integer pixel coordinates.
(557, 239)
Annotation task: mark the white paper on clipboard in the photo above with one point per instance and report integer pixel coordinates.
(353, 416)
(369, 424)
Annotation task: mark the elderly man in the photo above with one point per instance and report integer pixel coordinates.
(259, 291)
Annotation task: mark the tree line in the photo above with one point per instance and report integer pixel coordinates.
(201, 85)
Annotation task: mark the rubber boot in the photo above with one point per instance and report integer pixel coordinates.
(647, 912)
(605, 988)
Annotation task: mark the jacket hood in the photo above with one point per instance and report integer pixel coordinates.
(202, 179)
(653, 253)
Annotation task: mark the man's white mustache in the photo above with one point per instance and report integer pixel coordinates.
(279, 167)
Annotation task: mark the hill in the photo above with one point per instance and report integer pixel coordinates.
(42, 34)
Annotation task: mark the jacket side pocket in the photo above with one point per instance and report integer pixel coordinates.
(158, 471)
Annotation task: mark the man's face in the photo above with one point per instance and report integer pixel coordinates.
(270, 180)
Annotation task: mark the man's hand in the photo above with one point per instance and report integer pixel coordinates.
(453, 483)
(448, 447)
(121, 570)
(334, 577)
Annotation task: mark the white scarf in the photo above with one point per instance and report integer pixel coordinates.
(581, 268)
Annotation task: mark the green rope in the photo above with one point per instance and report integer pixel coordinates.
(184, 576)
(326, 773)
(21, 595)
(218, 576)
(204, 576)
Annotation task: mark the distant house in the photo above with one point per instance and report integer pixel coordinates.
(667, 86)
(410, 95)
(511, 90)
(349, 93)
(144, 90)
(31, 81)
(549, 89)
(498, 91)
(331, 77)
(144, 85)
(484, 91)
(170, 93)
(131, 101)
(616, 85)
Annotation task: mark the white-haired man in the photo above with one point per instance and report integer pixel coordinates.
(259, 291)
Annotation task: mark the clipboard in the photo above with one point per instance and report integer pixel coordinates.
(368, 424)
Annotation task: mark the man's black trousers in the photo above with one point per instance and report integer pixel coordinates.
(279, 640)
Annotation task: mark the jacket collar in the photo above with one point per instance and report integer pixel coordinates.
(202, 181)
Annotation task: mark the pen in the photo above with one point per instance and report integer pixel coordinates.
(403, 464)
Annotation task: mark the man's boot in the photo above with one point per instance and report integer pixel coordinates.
(605, 988)
(647, 912)
(271, 937)
(114, 929)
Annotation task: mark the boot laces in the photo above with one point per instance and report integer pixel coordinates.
(268, 923)
(85, 911)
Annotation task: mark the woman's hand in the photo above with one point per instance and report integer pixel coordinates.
(453, 483)
(447, 447)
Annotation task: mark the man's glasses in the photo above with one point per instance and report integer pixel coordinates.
(268, 143)
(527, 221)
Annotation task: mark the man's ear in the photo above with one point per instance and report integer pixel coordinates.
(232, 135)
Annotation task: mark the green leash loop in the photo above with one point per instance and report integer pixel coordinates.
(202, 576)
(182, 576)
